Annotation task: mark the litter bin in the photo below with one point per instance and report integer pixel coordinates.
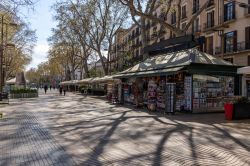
(229, 108)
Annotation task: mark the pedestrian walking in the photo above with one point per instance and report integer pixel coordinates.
(50, 87)
(45, 89)
(64, 91)
(60, 90)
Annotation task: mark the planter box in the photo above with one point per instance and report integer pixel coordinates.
(241, 111)
(23, 95)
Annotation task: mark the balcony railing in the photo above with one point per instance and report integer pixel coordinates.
(231, 48)
(210, 51)
(196, 29)
(211, 3)
(195, 8)
(218, 50)
(208, 25)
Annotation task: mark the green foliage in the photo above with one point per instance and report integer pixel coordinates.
(20, 91)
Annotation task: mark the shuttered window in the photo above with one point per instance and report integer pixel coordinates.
(230, 41)
(210, 19)
(247, 31)
(229, 11)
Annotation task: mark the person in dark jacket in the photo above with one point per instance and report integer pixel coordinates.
(60, 90)
(64, 91)
(45, 89)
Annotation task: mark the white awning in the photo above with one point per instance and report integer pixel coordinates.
(11, 82)
(244, 70)
(72, 82)
(150, 73)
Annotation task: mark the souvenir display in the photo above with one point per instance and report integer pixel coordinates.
(188, 93)
(210, 91)
(152, 87)
(161, 96)
(170, 97)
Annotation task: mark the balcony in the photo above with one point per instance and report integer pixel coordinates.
(153, 24)
(218, 51)
(196, 29)
(208, 25)
(154, 35)
(163, 16)
(210, 4)
(231, 48)
(210, 51)
(195, 9)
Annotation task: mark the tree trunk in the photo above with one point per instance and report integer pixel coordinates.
(144, 38)
(86, 69)
(105, 68)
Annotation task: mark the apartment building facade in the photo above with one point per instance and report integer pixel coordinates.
(222, 29)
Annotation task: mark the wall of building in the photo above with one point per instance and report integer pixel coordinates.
(217, 31)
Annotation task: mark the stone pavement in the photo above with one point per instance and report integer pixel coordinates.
(76, 130)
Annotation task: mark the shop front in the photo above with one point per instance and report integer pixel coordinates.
(245, 73)
(183, 81)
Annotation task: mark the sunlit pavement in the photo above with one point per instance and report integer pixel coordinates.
(77, 130)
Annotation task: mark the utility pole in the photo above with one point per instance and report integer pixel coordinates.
(1, 56)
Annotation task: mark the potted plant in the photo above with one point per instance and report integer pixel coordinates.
(241, 108)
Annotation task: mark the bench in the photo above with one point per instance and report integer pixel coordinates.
(4, 98)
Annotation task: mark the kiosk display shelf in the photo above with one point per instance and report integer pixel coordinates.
(152, 98)
(161, 96)
(170, 97)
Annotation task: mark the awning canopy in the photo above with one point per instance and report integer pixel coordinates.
(11, 81)
(244, 70)
(98, 80)
(149, 73)
(172, 62)
(71, 82)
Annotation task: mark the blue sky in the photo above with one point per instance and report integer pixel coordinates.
(40, 20)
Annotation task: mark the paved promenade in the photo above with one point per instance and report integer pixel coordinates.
(77, 130)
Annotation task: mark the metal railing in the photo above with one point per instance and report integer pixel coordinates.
(231, 48)
(208, 25)
(195, 9)
(196, 28)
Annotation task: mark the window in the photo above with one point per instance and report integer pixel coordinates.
(230, 42)
(173, 18)
(172, 35)
(196, 5)
(196, 26)
(247, 31)
(209, 45)
(229, 11)
(210, 19)
(211, 3)
(248, 7)
(183, 12)
(183, 25)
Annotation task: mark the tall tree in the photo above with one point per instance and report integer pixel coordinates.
(100, 20)
(143, 12)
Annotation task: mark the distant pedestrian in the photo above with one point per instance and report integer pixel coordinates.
(45, 89)
(50, 87)
(64, 91)
(60, 90)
